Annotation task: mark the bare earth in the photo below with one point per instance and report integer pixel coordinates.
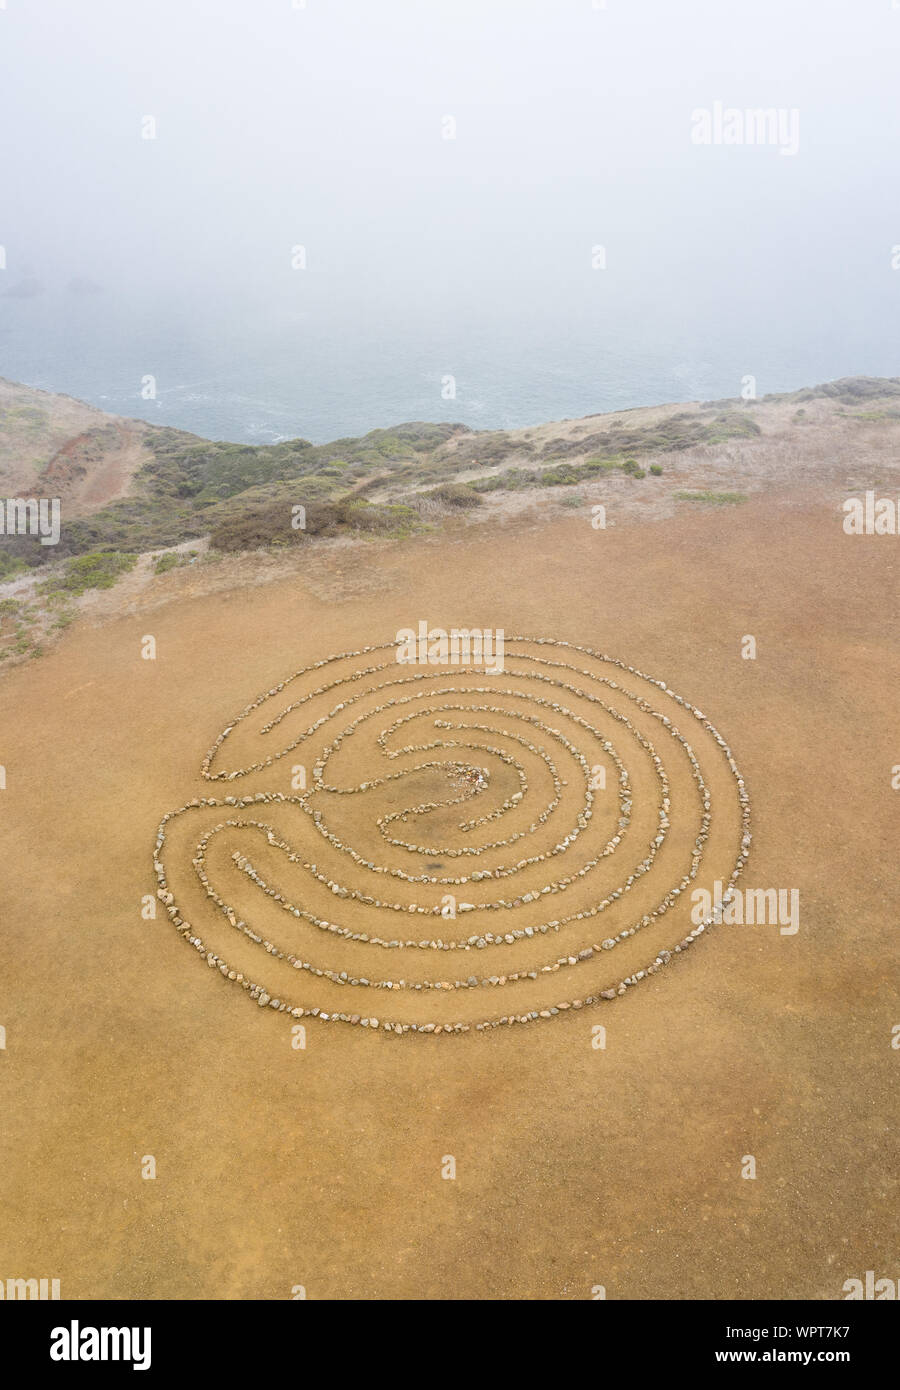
(57, 446)
(575, 1166)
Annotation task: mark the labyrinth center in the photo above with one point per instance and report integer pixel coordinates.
(442, 848)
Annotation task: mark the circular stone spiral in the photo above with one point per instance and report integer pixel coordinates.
(451, 810)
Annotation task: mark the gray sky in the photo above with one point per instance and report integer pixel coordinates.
(322, 126)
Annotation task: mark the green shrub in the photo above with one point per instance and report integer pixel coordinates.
(10, 565)
(394, 519)
(271, 524)
(604, 465)
(510, 480)
(260, 526)
(720, 497)
(656, 470)
(96, 570)
(170, 561)
(455, 495)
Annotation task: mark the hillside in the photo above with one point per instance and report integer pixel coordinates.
(56, 446)
(194, 680)
(128, 486)
(139, 500)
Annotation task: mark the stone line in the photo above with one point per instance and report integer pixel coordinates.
(439, 700)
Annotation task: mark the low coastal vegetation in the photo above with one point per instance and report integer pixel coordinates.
(389, 483)
(172, 560)
(272, 524)
(717, 497)
(10, 566)
(96, 570)
(195, 487)
(560, 475)
(243, 496)
(454, 495)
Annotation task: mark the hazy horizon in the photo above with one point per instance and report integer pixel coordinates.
(429, 257)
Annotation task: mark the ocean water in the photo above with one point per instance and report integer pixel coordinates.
(259, 373)
(162, 245)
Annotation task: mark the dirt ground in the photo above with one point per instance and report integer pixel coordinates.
(576, 1167)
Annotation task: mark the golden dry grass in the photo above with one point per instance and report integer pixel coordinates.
(575, 1166)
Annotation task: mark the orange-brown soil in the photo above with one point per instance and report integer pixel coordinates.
(575, 1166)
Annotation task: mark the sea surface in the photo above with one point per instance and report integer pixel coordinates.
(256, 374)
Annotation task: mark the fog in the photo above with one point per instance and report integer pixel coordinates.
(325, 128)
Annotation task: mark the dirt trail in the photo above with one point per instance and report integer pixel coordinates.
(119, 466)
(96, 467)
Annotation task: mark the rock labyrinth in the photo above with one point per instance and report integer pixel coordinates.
(569, 774)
